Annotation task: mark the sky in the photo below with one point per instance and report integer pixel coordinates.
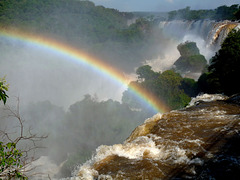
(162, 5)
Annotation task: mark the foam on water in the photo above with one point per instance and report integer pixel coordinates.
(206, 98)
(167, 144)
(140, 148)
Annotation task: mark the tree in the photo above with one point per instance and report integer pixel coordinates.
(220, 13)
(15, 162)
(190, 61)
(3, 89)
(237, 14)
(146, 73)
(103, 122)
(169, 90)
(225, 65)
(168, 87)
(188, 49)
(189, 86)
(225, 12)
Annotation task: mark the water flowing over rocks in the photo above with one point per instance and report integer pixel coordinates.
(181, 144)
(212, 32)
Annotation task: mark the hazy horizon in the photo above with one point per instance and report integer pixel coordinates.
(162, 5)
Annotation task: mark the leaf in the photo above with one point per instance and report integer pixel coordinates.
(9, 145)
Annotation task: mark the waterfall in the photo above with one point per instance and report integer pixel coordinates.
(172, 145)
(211, 31)
(208, 34)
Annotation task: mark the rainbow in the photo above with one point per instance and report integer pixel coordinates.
(76, 55)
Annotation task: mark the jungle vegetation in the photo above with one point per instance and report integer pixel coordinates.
(220, 13)
(107, 34)
(103, 32)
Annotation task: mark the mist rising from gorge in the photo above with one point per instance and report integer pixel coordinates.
(36, 74)
(52, 93)
(79, 107)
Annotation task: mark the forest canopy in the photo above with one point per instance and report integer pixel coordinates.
(168, 86)
(103, 32)
(221, 13)
(108, 34)
(223, 72)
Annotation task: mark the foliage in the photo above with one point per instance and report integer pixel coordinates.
(208, 83)
(18, 147)
(3, 89)
(102, 31)
(188, 49)
(191, 61)
(13, 160)
(220, 13)
(225, 12)
(169, 90)
(146, 73)
(87, 124)
(190, 64)
(189, 86)
(224, 68)
(10, 163)
(168, 86)
(237, 14)
(56, 16)
(104, 122)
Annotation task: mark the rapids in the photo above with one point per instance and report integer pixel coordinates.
(174, 145)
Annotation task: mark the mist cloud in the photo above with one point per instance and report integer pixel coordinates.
(38, 75)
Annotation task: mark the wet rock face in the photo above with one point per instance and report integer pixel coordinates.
(235, 99)
(194, 143)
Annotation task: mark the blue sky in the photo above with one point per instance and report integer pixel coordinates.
(162, 5)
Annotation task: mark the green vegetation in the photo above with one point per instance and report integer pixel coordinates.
(10, 162)
(168, 86)
(103, 32)
(158, 16)
(10, 156)
(220, 13)
(17, 148)
(94, 123)
(221, 77)
(3, 89)
(188, 49)
(191, 61)
(87, 124)
(237, 14)
(223, 71)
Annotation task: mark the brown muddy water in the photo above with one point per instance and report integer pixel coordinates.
(175, 145)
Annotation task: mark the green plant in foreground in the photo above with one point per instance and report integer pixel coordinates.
(3, 89)
(10, 156)
(10, 164)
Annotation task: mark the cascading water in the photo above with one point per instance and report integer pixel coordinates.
(173, 145)
(207, 33)
(211, 31)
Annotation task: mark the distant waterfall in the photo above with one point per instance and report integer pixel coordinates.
(207, 34)
(212, 32)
